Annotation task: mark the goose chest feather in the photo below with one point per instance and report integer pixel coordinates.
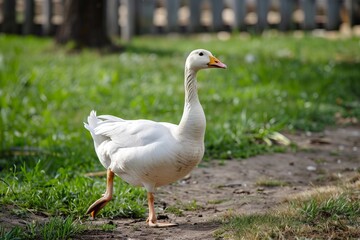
(148, 153)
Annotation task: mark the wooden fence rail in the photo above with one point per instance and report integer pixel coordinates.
(127, 18)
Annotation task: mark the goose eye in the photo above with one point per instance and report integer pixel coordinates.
(201, 54)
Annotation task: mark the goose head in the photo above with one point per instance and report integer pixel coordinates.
(202, 59)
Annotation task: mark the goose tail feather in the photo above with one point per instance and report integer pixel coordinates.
(93, 122)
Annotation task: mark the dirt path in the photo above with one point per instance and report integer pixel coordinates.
(215, 189)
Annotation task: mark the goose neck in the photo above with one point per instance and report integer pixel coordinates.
(190, 83)
(193, 123)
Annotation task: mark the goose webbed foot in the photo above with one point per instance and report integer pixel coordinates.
(151, 220)
(160, 224)
(97, 206)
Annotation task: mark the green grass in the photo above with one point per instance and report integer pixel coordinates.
(14, 233)
(335, 207)
(333, 214)
(54, 228)
(67, 193)
(272, 84)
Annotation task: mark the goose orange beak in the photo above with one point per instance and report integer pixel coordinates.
(216, 63)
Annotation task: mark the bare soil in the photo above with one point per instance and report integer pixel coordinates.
(217, 188)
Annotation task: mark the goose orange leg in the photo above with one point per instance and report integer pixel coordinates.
(106, 197)
(152, 221)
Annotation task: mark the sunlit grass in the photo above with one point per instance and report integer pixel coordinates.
(319, 214)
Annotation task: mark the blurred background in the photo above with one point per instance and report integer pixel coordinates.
(127, 18)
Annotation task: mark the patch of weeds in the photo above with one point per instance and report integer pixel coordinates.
(294, 147)
(108, 226)
(179, 208)
(334, 153)
(334, 208)
(321, 171)
(271, 183)
(319, 160)
(191, 206)
(255, 226)
(175, 209)
(218, 201)
(329, 213)
(221, 162)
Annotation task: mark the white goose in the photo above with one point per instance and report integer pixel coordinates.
(152, 154)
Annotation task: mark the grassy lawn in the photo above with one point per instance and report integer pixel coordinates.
(272, 84)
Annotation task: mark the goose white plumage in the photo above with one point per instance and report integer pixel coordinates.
(152, 154)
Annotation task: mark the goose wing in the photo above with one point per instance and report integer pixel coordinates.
(132, 133)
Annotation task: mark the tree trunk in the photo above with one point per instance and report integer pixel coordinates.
(84, 24)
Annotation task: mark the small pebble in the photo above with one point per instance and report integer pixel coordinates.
(311, 168)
